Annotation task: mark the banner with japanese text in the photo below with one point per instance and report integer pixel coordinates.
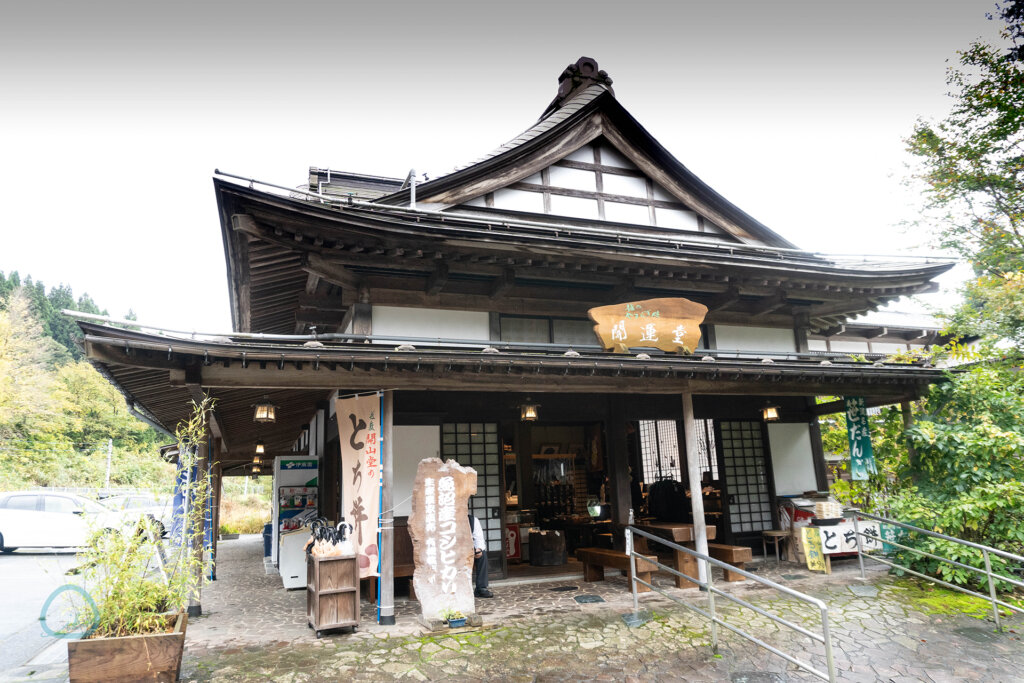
(862, 459)
(359, 432)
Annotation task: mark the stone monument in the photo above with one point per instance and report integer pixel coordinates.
(442, 539)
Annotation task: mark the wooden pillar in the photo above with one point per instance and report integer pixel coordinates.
(386, 599)
(817, 451)
(362, 318)
(801, 321)
(700, 531)
(524, 466)
(618, 467)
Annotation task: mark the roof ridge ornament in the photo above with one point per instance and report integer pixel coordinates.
(576, 77)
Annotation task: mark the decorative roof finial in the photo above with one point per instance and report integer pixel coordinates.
(576, 77)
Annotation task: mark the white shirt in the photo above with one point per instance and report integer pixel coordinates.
(478, 535)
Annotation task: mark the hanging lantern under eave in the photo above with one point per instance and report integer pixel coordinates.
(257, 460)
(770, 412)
(260, 449)
(529, 411)
(265, 412)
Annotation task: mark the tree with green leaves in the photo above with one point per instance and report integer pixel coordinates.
(971, 168)
(966, 476)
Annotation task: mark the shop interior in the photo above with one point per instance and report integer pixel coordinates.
(556, 490)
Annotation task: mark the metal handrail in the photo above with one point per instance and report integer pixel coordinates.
(824, 637)
(987, 552)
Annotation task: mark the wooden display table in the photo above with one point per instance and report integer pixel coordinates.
(332, 593)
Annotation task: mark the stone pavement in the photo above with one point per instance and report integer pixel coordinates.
(253, 630)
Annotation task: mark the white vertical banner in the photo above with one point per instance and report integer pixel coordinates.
(359, 429)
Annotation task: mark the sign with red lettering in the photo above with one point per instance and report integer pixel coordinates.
(513, 543)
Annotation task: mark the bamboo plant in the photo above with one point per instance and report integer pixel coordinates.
(135, 585)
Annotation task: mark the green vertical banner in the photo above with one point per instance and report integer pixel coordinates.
(862, 460)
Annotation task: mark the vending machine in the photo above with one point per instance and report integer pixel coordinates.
(298, 507)
(298, 472)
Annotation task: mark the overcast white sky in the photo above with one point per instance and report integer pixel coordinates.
(113, 115)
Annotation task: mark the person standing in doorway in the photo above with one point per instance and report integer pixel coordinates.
(480, 568)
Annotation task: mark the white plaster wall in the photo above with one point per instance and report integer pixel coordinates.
(849, 346)
(736, 338)
(792, 460)
(412, 444)
(885, 347)
(394, 321)
(816, 345)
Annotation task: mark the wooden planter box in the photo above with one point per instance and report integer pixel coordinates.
(332, 593)
(155, 657)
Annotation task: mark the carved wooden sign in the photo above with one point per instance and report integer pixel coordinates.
(669, 324)
(442, 540)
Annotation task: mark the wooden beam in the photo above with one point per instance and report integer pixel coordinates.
(720, 302)
(216, 421)
(320, 319)
(623, 291)
(362, 318)
(322, 302)
(239, 263)
(438, 378)
(437, 279)
(503, 283)
(331, 271)
(769, 304)
(836, 308)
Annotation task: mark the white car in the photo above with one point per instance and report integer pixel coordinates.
(41, 519)
(135, 505)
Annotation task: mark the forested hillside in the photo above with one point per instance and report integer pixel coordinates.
(56, 412)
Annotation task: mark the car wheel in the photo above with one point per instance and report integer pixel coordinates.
(3, 548)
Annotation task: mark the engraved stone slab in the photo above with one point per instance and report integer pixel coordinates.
(442, 540)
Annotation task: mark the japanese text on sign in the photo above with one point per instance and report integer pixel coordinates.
(446, 533)
(842, 538)
(359, 429)
(862, 460)
(669, 324)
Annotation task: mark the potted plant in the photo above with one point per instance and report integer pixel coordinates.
(453, 617)
(134, 624)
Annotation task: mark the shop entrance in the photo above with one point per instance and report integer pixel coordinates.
(555, 496)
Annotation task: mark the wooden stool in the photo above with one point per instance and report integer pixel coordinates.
(775, 537)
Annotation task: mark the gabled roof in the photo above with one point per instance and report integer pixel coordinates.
(587, 112)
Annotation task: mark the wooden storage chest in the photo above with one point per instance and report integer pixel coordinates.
(332, 593)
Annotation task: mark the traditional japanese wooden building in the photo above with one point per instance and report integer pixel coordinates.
(467, 296)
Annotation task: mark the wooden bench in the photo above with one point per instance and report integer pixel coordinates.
(736, 555)
(596, 559)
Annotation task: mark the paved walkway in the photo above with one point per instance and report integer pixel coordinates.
(252, 629)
